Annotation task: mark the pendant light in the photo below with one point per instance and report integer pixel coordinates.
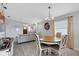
(49, 17)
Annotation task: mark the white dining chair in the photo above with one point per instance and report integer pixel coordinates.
(42, 47)
(60, 49)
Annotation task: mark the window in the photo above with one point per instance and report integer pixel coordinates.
(61, 26)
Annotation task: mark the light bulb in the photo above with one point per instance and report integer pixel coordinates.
(46, 18)
(52, 17)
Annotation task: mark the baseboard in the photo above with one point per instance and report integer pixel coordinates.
(76, 49)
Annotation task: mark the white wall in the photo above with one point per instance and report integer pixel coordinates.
(75, 26)
(11, 28)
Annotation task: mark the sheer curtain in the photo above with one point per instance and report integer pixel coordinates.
(61, 26)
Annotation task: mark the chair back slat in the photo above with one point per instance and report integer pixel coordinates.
(63, 42)
(38, 41)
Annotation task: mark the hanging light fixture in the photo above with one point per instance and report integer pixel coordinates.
(49, 17)
(4, 5)
(2, 17)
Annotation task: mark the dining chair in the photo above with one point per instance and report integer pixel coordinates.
(58, 34)
(60, 49)
(42, 47)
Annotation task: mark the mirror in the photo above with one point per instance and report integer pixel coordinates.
(47, 26)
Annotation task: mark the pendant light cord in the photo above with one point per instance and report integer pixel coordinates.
(49, 11)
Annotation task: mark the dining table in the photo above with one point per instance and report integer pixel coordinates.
(56, 41)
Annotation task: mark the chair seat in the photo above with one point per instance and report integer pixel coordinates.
(44, 46)
(56, 47)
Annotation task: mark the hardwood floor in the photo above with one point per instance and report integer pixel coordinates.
(30, 49)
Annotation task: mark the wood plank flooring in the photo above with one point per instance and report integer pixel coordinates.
(30, 49)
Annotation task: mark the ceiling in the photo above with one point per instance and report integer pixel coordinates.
(35, 12)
